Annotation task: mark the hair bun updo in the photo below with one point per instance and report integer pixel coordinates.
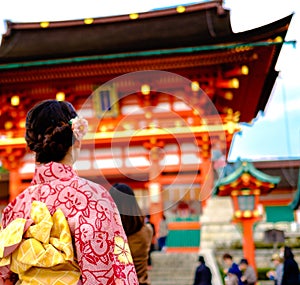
(48, 132)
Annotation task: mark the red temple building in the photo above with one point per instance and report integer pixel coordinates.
(163, 91)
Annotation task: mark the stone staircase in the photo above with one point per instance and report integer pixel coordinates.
(172, 268)
(178, 268)
(216, 227)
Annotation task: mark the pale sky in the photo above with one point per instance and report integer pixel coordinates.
(274, 134)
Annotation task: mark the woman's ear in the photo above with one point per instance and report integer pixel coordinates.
(77, 144)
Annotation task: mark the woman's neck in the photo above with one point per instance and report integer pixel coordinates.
(68, 159)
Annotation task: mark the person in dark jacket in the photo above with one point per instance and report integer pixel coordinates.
(290, 268)
(233, 267)
(203, 274)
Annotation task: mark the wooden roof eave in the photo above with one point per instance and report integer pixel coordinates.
(152, 55)
(152, 30)
(212, 4)
(141, 35)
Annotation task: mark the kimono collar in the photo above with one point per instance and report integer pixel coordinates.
(52, 171)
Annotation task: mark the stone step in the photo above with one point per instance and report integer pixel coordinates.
(171, 279)
(179, 268)
(171, 282)
(172, 268)
(166, 259)
(180, 271)
(170, 275)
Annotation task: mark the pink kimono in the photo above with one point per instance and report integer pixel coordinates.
(101, 246)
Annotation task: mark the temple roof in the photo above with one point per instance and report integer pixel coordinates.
(247, 167)
(233, 178)
(199, 25)
(196, 42)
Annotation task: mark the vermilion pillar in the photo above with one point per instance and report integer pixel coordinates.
(207, 179)
(206, 168)
(154, 185)
(248, 241)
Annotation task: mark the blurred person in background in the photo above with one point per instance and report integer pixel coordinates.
(248, 273)
(276, 274)
(290, 268)
(203, 274)
(138, 233)
(153, 241)
(232, 267)
(162, 233)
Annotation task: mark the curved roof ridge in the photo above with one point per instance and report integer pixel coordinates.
(246, 166)
(203, 23)
(115, 18)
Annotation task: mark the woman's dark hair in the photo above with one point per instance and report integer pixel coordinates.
(130, 212)
(48, 132)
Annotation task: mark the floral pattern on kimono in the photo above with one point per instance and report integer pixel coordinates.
(101, 245)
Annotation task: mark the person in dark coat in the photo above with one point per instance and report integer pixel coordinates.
(290, 268)
(203, 274)
(233, 267)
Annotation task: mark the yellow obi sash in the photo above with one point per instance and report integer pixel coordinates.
(40, 250)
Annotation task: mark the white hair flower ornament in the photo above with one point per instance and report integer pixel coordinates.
(79, 127)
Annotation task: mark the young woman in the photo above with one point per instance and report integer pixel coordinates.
(73, 232)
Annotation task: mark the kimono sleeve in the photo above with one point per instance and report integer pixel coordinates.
(101, 245)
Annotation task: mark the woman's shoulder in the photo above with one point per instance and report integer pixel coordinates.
(96, 187)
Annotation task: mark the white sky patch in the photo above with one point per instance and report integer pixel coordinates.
(246, 15)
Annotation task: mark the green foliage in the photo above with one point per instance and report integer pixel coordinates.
(293, 243)
(266, 245)
(261, 273)
(221, 269)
